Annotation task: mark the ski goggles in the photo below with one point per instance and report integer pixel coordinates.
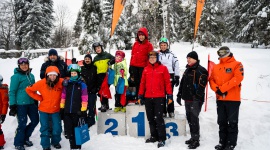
(97, 44)
(163, 40)
(152, 53)
(222, 52)
(23, 60)
(74, 67)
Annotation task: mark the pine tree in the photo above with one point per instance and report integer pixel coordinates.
(47, 9)
(35, 29)
(78, 25)
(187, 24)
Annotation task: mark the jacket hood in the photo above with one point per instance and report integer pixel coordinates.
(145, 31)
(52, 68)
(230, 58)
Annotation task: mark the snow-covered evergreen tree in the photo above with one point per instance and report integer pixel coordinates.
(47, 9)
(78, 25)
(187, 25)
(35, 28)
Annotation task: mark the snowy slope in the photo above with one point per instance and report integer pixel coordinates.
(254, 122)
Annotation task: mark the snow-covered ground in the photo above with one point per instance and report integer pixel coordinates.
(254, 121)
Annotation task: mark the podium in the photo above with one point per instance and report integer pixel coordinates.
(135, 124)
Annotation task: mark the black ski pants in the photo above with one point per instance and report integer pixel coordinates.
(154, 112)
(71, 121)
(193, 109)
(228, 114)
(169, 108)
(136, 72)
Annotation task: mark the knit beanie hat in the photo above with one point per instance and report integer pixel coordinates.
(193, 55)
(52, 52)
(88, 55)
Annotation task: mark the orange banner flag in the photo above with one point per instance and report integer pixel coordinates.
(199, 9)
(117, 10)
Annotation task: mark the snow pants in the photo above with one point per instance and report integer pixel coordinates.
(46, 142)
(193, 109)
(71, 121)
(154, 112)
(2, 138)
(90, 119)
(136, 72)
(169, 108)
(228, 114)
(24, 131)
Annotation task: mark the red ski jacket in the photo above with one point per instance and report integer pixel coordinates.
(155, 82)
(140, 50)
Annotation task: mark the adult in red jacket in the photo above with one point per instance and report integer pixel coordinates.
(155, 84)
(226, 80)
(139, 56)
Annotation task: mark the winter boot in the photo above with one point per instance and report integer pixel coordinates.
(28, 143)
(57, 146)
(151, 140)
(46, 148)
(189, 141)
(1, 147)
(220, 147)
(229, 147)
(103, 108)
(123, 109)
(161, 144)
(194, 144)
(20, 148)
(171, 115)
(164, 115)
(116, 109)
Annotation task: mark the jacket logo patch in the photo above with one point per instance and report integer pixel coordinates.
(228, 70)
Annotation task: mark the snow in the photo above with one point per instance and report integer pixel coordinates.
(254, 119)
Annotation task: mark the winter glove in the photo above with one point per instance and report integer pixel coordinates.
(82, 113)
(220, 93)
(178, 100)
(140, 100)
(65, 82)
(62, 113)
(169, 99)
(176, 80)
(3, 117)
(13, 110)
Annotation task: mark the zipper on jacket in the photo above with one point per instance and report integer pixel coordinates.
(71, 100)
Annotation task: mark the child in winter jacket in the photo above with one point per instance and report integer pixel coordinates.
(155, 84)
(168, 59)
(89, 75)
(102, 61)
(73, 104)
(120, 68)
(22, 105)
(50, 89)
(3, 109)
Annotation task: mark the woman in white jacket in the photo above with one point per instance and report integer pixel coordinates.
(168, 59)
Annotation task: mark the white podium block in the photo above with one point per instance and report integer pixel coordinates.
(175, 126)
(111, 122)
(136, 121)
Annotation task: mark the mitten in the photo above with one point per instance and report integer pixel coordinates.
(176, 80)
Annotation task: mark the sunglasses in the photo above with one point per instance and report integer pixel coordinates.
(23, 60)
(153, 53)
(74, 67)
(163, 40)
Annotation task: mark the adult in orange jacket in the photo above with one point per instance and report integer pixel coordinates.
(139, 56)
(3, 109)
(155, 84)
(226, 80)
(50, 89)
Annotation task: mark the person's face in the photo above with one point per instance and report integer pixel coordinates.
(24, 66)
(74, 73)
(98, 49)
(163, 46)
(191, 61)
(52, 77)
(141, 38)
(118, 58)
(53, 58)
(152, 59)
(87, 60)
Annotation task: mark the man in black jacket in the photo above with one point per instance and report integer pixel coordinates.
(54, 60)
(89, 75)
(191, 90)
